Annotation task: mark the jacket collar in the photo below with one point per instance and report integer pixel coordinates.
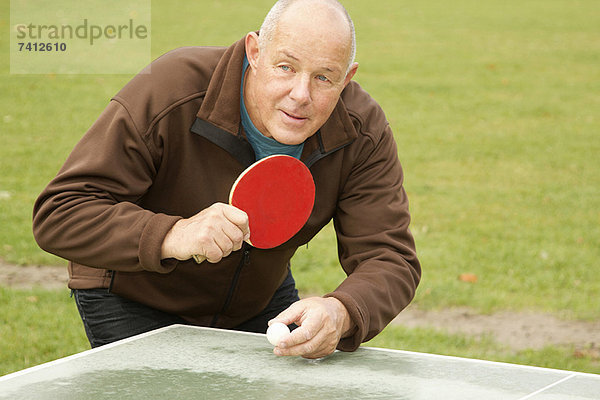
(221, 107)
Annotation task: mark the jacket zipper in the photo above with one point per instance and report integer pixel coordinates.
(244, 261)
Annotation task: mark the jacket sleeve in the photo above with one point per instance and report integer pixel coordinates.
(375, 246)
(88, 212)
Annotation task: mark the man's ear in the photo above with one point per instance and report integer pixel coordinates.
(350, 74)
(252, 50)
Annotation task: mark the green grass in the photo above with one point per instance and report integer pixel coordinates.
(494, 107)
(38, 326)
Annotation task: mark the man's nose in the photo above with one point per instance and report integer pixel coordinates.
(300, 91)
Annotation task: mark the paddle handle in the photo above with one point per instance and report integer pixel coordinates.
(198, 258)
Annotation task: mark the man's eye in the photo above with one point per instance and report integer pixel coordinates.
(322, 78)
(285, 68)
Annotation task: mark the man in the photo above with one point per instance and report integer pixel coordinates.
(146, 187)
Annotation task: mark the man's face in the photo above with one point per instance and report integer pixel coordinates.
(295, 81)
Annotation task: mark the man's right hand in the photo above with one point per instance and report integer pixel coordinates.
(213, 233)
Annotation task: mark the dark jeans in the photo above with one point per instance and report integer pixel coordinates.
(108, 317)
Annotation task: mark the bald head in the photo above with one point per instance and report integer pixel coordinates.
(294, 12)
(299, 65)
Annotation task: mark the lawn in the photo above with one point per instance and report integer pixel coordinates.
(494, 106)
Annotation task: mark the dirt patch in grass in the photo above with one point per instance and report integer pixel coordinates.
(517, 330)
(28, 277)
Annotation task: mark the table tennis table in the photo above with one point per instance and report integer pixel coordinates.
(184, 362)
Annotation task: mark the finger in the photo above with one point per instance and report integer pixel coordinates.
(291, 315)
(239, 218)
(307, 331)
(318, 346)
(213, 245)
(235, 235)
(212, 253)
(223, 242)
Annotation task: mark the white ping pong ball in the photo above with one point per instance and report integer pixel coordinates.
(276, 332)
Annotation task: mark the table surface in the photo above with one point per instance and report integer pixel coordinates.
(191, 362)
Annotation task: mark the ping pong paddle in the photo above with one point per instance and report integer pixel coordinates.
(278, 194)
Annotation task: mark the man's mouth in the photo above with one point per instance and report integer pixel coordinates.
(294, 116)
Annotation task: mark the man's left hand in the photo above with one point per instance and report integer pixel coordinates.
(321, 323)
